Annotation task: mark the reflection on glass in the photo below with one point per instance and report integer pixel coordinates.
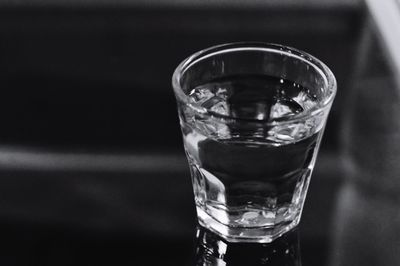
(213, 250)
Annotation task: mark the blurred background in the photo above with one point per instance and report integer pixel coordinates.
(92, 167)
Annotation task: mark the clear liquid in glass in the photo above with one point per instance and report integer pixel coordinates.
(249, 172)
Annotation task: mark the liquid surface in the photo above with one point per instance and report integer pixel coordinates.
(253, 97)
(249, 174)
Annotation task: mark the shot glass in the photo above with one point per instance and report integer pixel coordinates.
(252, 117)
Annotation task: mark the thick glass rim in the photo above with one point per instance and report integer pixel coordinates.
(318, 65)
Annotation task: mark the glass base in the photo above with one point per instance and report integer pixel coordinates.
(264, 234)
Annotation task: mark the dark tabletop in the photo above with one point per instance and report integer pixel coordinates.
(343, 223)
(44, 245)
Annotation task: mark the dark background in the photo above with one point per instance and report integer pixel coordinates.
(92, 169)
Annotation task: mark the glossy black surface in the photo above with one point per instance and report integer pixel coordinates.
(39, 245)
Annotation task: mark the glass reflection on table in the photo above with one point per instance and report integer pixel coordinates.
(212, 250)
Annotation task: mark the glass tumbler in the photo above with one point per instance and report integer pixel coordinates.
(252, 117)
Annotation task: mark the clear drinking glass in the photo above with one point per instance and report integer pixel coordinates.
(252, 117)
